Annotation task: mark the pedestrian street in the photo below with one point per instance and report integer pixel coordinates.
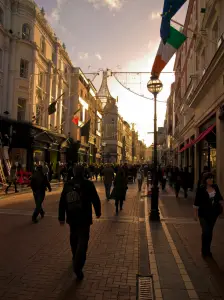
(124, 250)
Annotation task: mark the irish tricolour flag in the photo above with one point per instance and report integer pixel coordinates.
(165, 52)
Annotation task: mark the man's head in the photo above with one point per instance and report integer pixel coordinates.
(79, 171)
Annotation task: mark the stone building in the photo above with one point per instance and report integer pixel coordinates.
(198, 90)
(35, 70)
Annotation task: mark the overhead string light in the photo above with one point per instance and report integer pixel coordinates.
(133, 92)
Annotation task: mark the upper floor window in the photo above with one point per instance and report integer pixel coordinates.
(1, 16)
(21, 111)
(41, 80)
(24, 67)
(1, 59)
(53, 57)
(43, 45)
(26, 32)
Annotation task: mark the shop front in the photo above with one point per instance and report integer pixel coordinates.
(19, 146)
(207, 146)
(201, 150)
(46, 147)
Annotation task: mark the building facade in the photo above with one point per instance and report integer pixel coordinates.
(197, 94)
(35, 71)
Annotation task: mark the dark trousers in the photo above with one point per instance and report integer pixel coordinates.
(9, 185)
(117, 202)
(207, 225)
(107, 189)
(139, 185)
(38, 198)
(177, 189)
(79, 239)
(185, 192)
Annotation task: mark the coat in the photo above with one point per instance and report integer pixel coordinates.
(206, 208)
(120, 188)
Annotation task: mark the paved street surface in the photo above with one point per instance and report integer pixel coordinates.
(35, 259)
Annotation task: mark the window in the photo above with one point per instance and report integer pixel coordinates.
(24, 67)
(43, 45)
(1, 16)
(41, 80)
(53, 57)
(21, 110)
(26, 32)
(1, 59)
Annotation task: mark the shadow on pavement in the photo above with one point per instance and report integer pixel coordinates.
(217, 273)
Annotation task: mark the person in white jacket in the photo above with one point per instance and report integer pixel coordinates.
(140, 176)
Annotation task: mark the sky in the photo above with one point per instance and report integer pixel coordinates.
(123, 36)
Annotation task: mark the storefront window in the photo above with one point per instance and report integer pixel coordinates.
(38, 157)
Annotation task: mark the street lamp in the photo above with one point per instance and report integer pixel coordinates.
(155, 86)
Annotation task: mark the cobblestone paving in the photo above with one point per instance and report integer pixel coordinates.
(35, 260)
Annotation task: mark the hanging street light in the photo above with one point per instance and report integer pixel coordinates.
(155, 86)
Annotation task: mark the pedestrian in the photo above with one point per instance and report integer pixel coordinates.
(46, 170)
(208, 205)
(120, 189)
(185, 181)
(97, 172)
(140, 176)
(12, 179)
(108, 177)
(39, 184)
(177, 181)
(51, 172)
(77, 198)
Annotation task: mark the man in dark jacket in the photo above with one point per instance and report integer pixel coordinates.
(76, 202)
(39, 184)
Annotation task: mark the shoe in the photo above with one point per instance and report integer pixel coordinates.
(79, 275)
(42, 215)
(16, 191)
(35, 221)
(121, 208)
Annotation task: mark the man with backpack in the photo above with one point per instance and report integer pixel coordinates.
(77, 198)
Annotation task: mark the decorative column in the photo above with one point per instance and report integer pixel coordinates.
(11, 81)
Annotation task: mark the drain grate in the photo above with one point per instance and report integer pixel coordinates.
(145, 288)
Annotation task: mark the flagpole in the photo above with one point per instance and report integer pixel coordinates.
(47, 107)
(189, 29)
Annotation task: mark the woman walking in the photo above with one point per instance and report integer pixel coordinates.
(12, 179)
(140, 176)
(208, 206)
(177, 181)
(120, 189)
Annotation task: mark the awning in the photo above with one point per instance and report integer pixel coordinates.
(199, 138)
(185, 147)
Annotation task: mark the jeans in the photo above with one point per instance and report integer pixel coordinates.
(79, 239)
(38, 198)
(107, 189)
(207, 225)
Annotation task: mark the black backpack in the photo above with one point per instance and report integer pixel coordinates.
(74, 200)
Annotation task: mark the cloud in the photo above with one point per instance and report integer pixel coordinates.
(155, 15)
(83, 55)
(111, 4)
(98, 56)
(56, 11)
